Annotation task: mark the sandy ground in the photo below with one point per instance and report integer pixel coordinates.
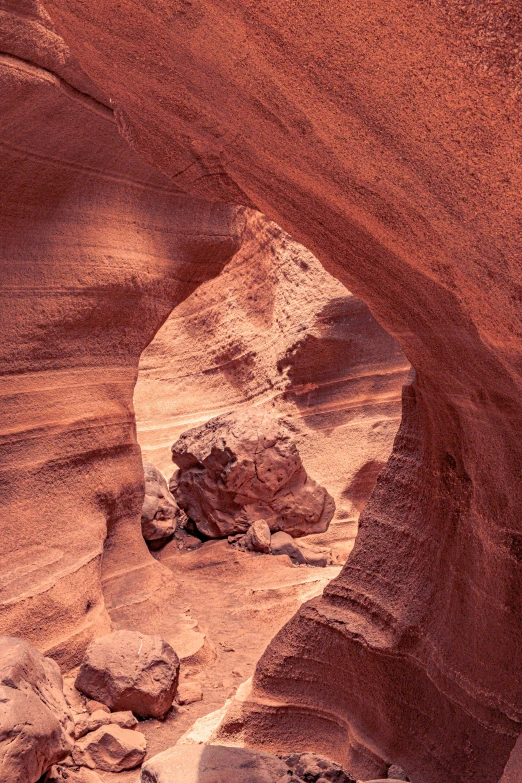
(238, 600)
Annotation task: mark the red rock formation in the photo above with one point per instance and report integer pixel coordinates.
(96, 250)
(385, 135)
(243, 467)
(276, 330)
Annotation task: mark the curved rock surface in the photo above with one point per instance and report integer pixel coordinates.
(244, 467)
(385, 135)
(97, 248)
(275, 330)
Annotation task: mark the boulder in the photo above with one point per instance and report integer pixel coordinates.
(243, 467)
(283, 544)
(397, 773)
(127, 670)
(189, 692)
(110, 748)
(221, 764)
(160, 515)
(62, 774)
(317, 557)
(257, 537)
(213, 764)
(86, 723)
(313, 768)
(35, 720)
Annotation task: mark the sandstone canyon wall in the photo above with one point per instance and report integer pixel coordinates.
(96, 249)
(276, 330)
(384, 135)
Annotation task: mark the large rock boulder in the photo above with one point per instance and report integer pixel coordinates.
(243, 467)
(35, 721)
(111, 748)
(221, 764)
(127, 670)
(160, 515)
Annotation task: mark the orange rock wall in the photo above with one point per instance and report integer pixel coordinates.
(385, 136)
(96, 249)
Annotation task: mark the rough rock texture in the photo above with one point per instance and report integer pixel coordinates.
(110, 748)
(97, 248)
(385, 135)
(127, 670)
(86, 723)
(160, 514)
(257, 537)
(67, 774)
(218, 764)
(243, 467)
(35, 720)
(276, 330)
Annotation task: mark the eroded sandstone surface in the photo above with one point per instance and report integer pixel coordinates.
(244, 467)
(97, 248)
(385, 135)
(275, 330)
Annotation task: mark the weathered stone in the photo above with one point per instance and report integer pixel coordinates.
(213, 764)
(160, 515)
(313, 768)
(283, 544)
(110, 748)
(316, 557)
(189, 692)
(397, 773)
(94, 706)
(62, 774)
(35, 720)
(127, 670)
(243, 467)
(85, 724)
(257, 537)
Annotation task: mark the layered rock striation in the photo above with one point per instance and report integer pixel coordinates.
(277, 332)
(97, 248)
(385, 136)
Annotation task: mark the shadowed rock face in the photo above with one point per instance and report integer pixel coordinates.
(160, 514)
(385, 136)
(244, 467)
(96, 250)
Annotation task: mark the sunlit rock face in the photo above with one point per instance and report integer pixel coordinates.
(277, 332)
(385, 136)
(96, 249)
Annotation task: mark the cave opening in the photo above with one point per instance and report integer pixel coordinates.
(273, 333)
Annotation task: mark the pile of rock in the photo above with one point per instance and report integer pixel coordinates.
(66, 736)
(258, 538)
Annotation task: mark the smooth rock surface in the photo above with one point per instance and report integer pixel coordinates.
(160, 515)
(219, 764)
(282, 543)
(97, 248)
(189, 692)
(110, 748)
(243, 467)
(127, 670)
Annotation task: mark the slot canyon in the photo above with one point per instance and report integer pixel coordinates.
(261, 391)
